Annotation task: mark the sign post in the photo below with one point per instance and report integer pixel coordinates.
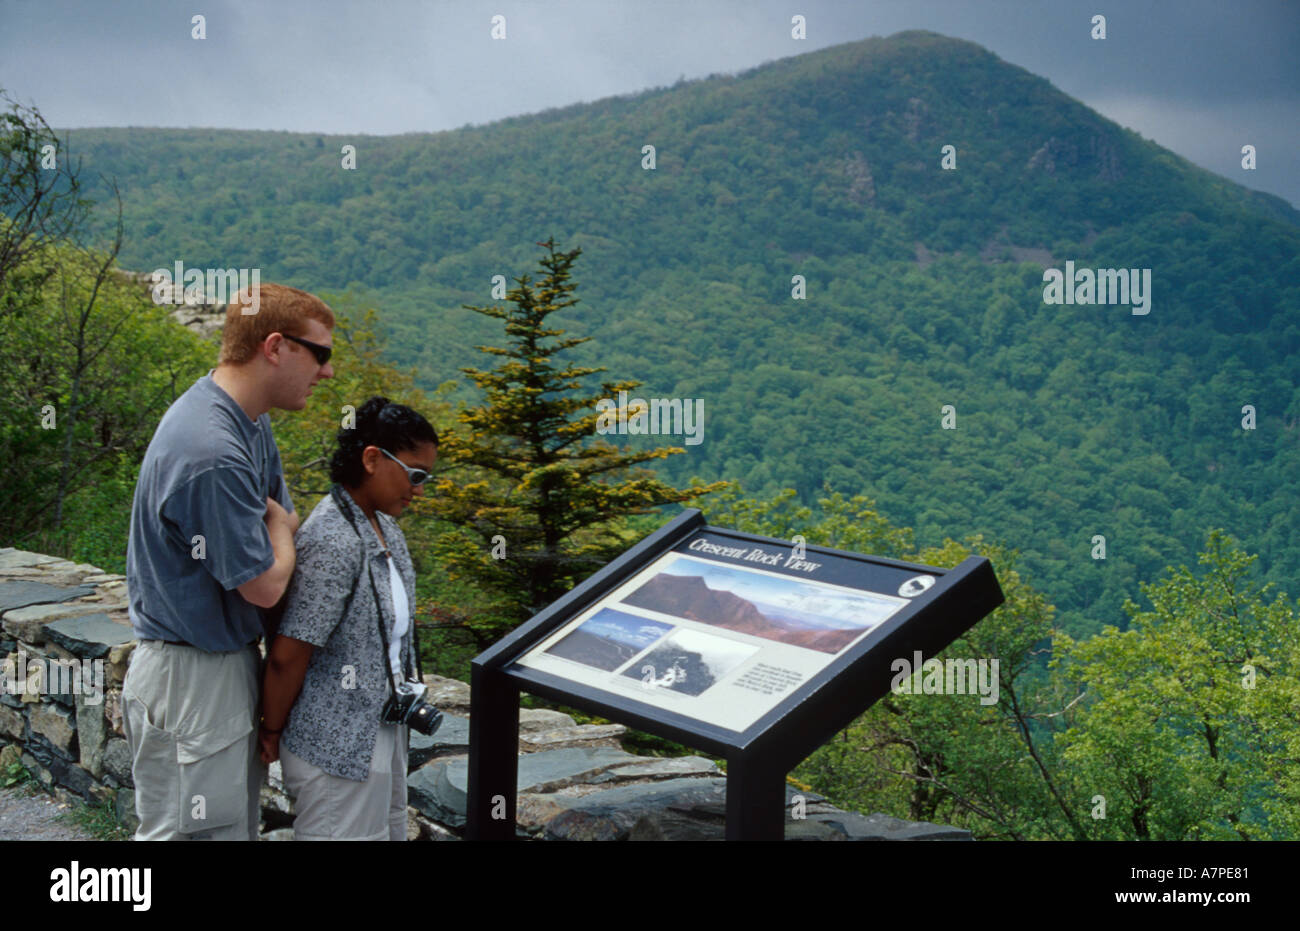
(746, 647)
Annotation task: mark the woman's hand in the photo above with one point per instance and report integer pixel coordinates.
(270, 744)
(286, 667)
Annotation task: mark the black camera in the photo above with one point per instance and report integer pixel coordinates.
(407, 706)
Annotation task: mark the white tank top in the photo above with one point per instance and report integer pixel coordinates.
(402, 610)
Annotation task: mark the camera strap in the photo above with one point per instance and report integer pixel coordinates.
(387, 673)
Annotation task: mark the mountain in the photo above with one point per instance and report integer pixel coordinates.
(690, 597)
(923, 367)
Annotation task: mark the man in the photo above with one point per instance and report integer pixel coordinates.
(211, 543)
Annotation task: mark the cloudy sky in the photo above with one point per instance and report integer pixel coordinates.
(1201, 78)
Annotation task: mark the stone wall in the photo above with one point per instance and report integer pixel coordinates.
(67, 625)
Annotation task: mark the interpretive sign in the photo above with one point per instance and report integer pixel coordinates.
(748, 647)
(719, 642)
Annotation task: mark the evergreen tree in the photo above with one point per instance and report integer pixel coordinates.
(545, 505)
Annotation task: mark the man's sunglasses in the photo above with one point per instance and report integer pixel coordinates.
(322, 353)
(416, 476)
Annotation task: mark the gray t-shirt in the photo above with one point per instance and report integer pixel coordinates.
(197, 522)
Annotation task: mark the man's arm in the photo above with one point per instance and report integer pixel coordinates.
(265, 590)
(282, 494)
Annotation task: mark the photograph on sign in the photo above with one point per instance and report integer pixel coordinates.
(690, 662)
(609, 639)
(714, 641)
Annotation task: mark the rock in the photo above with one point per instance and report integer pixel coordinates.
(276, 803)
(436, 796)
(31, 664)
(25, 593)
(89, 637)
(438, 789)
(695, 809)
(58, 563)
(673, 825)
(277, 834)
(113, 711)
(119, 658)
(556, 769)
(412, 825)
(883, 827)
(431, 831)
(33, 766)
(543, 719)
(275, 777)
(60, 771)
(56, 574)
(124, 808)
(29, 623)
(812, 829)
(9, 755)
(92, 733)
(11, 723)
(11, 558)
(534, 810)
(678, 809)
(578, 735)
(66, 676)
(56, 726)
(653, 768)
(450, 696)
(116, 761)
(451, 737)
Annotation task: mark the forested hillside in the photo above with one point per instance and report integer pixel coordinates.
(924, 288)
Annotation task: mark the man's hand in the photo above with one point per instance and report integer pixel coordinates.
(275, 512)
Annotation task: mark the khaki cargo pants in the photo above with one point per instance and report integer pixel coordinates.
(190, 719)
(330, 807)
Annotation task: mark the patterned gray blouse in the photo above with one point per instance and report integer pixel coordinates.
(335, 721)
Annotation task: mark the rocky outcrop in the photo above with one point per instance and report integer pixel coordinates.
(191, 311)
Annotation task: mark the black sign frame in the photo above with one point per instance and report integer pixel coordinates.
(758, 757)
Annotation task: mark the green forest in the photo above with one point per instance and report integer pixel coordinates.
(918, 400)
(1071, 421)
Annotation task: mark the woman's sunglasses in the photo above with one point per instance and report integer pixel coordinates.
(416, 476)
(322, 353)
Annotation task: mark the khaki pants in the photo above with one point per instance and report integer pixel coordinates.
(190, 719)
(333, 808)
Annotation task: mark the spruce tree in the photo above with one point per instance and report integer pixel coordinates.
(536, 499)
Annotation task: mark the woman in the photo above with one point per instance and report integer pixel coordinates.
(324, 690)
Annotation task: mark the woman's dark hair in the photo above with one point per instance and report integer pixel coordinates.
(382, 423)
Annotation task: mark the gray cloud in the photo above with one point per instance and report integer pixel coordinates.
(1195, 76)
